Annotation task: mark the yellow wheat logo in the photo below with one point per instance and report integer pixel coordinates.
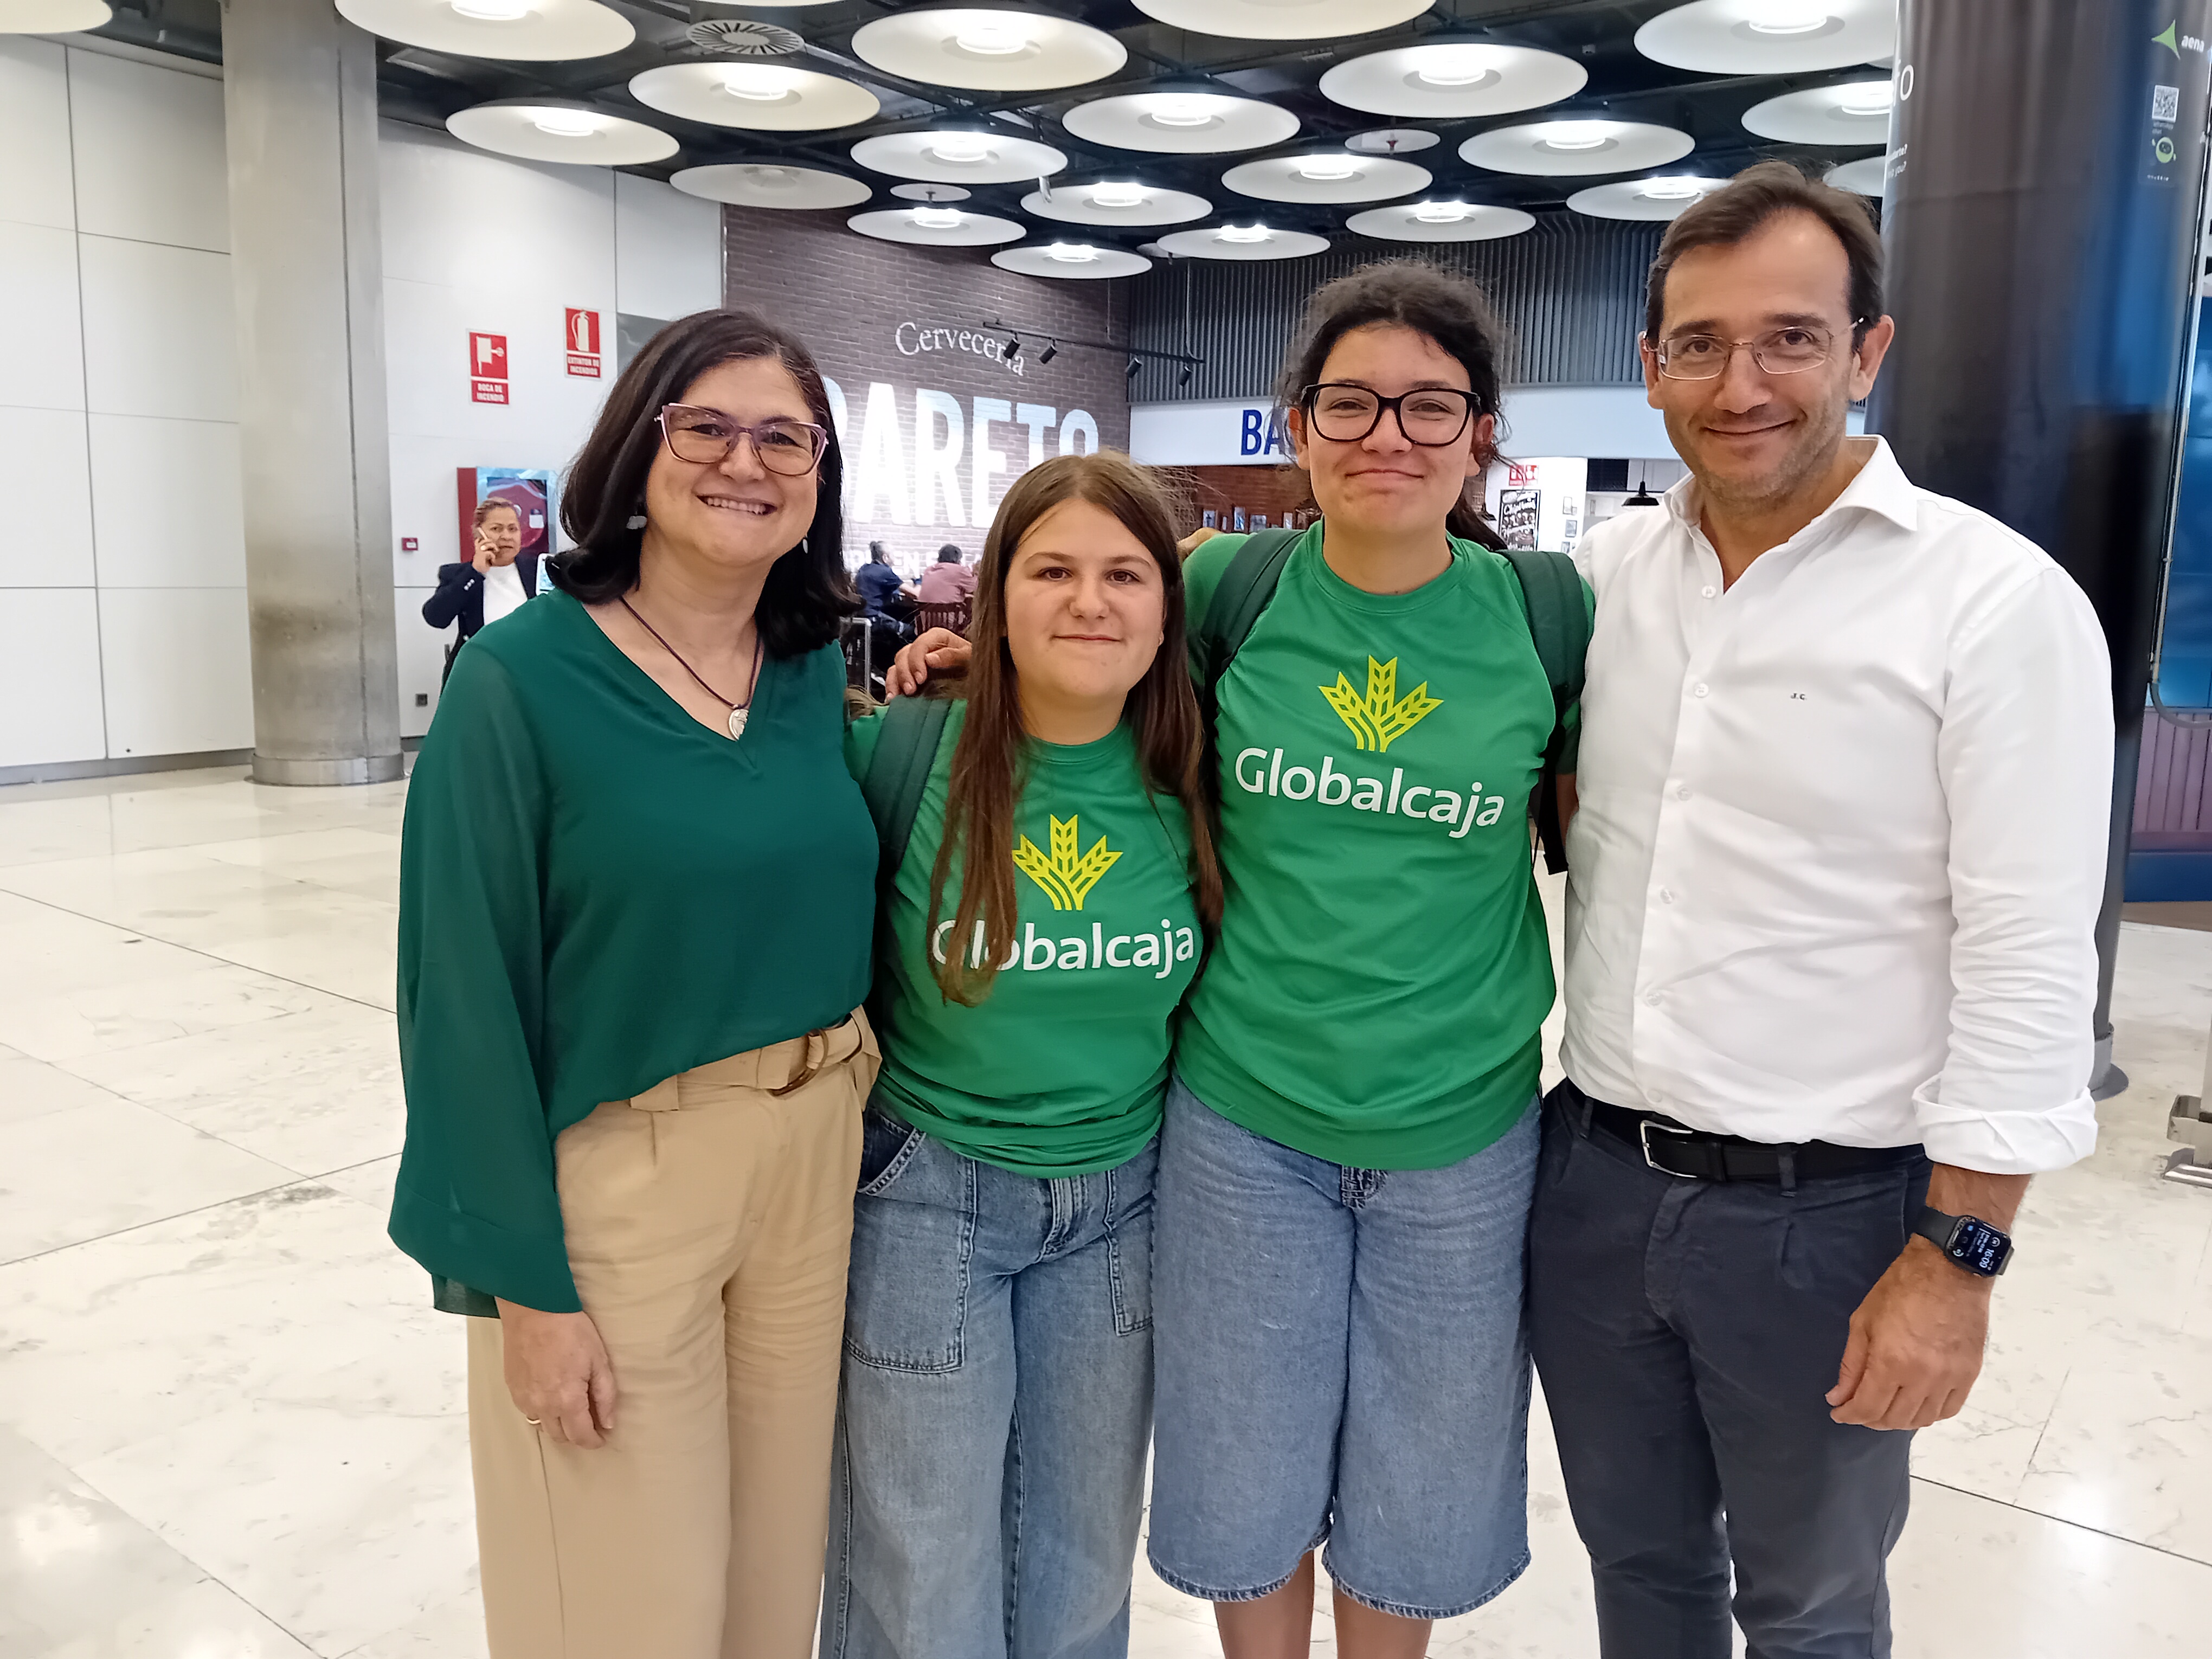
(1383, 716)
(1065, 878)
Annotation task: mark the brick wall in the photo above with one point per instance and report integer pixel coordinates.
(857, 302)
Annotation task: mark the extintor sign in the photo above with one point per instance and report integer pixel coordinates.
(584, 344)
(488, 368)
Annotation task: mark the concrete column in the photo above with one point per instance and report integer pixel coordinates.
(306, 268)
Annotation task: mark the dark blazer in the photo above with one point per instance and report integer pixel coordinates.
(459, 597)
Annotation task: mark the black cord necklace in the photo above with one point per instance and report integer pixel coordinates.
(739, 711)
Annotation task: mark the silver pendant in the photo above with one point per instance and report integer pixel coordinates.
(738, 721)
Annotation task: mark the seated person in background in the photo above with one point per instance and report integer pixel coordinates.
(881, 587)
(495, 581)
(948, 581)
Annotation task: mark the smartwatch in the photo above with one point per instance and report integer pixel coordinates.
(1969, 1241)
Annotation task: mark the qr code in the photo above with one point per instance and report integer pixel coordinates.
(2166, 103)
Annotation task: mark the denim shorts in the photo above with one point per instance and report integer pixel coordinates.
(1341, 1357)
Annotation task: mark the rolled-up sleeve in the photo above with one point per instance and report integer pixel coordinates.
(476, 1201)
(2025, 754)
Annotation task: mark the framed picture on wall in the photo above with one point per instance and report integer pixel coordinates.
(1210, 519)
(1516, 516)
(1236, 518)
(1259, 521)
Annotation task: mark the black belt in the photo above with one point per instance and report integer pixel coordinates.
(1671, 1149)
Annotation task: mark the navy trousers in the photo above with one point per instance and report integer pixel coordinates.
(1686, 1332)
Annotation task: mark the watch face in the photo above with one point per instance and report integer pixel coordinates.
(1979, 1248)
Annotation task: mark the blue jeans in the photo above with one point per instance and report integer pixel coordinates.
(1341, 1357)
(987, 1478)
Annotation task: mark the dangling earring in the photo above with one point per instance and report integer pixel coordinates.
(636, 521)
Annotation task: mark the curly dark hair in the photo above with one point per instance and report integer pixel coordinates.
(808, 591)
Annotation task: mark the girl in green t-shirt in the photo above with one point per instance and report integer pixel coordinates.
(998, 1384)
(1348, 1151)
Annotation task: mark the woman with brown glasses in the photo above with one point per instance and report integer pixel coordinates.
(635, 902)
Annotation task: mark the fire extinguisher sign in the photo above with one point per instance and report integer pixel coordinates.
(584, 344)
(488, 368)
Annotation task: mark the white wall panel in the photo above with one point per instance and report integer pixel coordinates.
(166, 502)
(466, 219)
(50, 702)
(159, 333)
(150, 153)
(668, 250)
(422, 658)
(41, 342)
(177, 669)
(35, 134)
(45, 512)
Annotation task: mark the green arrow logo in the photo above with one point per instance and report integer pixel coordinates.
(2166, 40)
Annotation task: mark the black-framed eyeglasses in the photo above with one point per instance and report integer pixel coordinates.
(1790, 350)
(706, 437)
(1345, 412)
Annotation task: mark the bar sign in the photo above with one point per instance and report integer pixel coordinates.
(488, 368)
(584, 344)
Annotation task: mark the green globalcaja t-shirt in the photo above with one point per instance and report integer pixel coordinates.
(1062, 1069)
(1383, 972)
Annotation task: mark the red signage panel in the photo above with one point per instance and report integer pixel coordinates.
(488, 368)
(584, 344)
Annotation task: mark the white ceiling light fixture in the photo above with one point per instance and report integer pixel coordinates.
(1116, 202)
(988, 49)
(1282, 20)
(1181, 123)
(1253, 241)
(1326, 178)
(772, 184)
(937, 226)
(1863, 178)
(1770, 37)
(1570, 148)
(1856, 112)
(1392, 141)
(960, 156)
(540, 130)
(1451, 79)
(930, 193)
(51, 16)
(523, 31)
(1071, 261)
(1440, 222)
(1642, 198)
(757, 97)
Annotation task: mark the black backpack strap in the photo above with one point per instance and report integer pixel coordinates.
(898, 772)
(1244, 590)
(1560, 627)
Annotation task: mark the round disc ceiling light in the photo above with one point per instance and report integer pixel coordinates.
(1181, 123)
(535, 129)
(1856, 112)
(1770, 37)
(1452, 78)
(1864, 177)
(1643, 199)
(991, 50)
(761, 97)
(937, 226)
(772, 184)
(1075, 261)
(51, 16)
(1282, 20)
(1251, 242)
(959, 156)
(1392, 141)
(1440, 222)
(1116, 202)
(1566, 148)
(526, 31)
(1330, 176)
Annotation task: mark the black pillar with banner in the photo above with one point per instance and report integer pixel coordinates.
(2046, 181)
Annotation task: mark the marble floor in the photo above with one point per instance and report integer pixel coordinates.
(230, 1426)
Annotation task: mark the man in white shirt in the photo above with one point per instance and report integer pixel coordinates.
(1836, 848)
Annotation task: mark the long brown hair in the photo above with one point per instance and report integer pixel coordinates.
(988, 763)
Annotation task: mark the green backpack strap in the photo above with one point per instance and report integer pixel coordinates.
(1560, 627)
(898, 771)
(1245, 588)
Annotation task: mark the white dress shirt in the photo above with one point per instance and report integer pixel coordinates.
(1842, 831)
(503, 593)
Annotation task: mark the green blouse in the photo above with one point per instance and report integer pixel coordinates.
(596, 893)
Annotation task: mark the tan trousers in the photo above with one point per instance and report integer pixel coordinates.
(710, 1222)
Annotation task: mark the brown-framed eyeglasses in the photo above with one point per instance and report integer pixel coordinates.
(706, 436)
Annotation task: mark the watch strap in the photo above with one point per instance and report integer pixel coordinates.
(1936, 1227)
(1945, 1231)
